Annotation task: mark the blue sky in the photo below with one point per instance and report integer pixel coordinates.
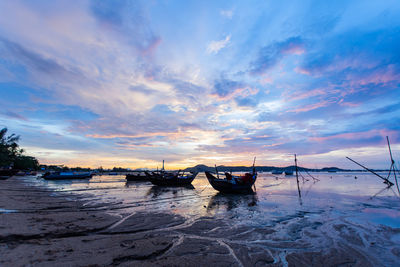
(130, 83)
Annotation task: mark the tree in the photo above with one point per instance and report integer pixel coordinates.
(26, 163)
(11, 154)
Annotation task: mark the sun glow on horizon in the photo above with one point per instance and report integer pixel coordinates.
(128, 84)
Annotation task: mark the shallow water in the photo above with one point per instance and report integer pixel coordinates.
(276, 197)
(341, 214)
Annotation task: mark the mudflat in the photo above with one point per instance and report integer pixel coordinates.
(42, 227)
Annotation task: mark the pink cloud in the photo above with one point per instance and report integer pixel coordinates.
(307, 94)
(149, 50)
(294, 49)
(356, 135)
(302, 71)
(383, 76)
(348, 104)
(311, 106)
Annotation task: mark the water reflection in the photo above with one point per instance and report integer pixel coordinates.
(135, 184)
(155, 191)
(229, 202)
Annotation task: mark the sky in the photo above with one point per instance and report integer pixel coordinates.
(132, 83)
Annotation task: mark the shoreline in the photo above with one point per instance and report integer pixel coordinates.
(51, 228)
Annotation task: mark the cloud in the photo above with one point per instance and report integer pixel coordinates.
(227, 13)
(14, 115)
(225, 89)
(125, 19)
(215, 46)
(270, 55)
(115, 77)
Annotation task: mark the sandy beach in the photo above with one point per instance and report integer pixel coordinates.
(41, 227)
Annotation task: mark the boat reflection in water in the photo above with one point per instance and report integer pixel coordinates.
(228, 202)
(155, 191)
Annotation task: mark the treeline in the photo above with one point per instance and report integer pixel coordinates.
(80, 169)
(203, 168)
(11, 155)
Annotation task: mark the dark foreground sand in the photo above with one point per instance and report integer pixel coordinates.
(51, 230)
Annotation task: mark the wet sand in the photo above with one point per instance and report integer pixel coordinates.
(41, 227)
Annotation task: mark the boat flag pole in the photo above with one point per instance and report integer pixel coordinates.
(393, 165)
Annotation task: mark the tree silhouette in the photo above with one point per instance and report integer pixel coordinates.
(11, 154)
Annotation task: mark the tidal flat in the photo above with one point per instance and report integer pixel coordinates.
(344, 219)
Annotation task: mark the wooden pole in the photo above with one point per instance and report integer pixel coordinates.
(393, 165)
(386, 181)
(297, 175)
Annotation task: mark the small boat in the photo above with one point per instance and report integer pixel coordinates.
(233, 183)
(164, 178)
(66, 175)
(277, 172)
(5, 174)
(137, 176)
(288, 172)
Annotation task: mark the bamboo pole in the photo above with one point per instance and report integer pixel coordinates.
(297, 176)
(386, 181)
(393, 165)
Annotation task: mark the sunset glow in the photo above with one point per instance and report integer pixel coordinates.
(132, 83)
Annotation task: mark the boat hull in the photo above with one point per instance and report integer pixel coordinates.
(67, 177)
(171, 180)
(136, 177)
(225, 186)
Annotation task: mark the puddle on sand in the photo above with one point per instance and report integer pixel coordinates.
(7, 211)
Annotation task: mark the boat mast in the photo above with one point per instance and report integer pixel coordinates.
(254, 162)
(216, 170)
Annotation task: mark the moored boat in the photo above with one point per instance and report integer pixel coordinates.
(288, 172)
(5, 174)
(163, 178)
(66, 175)
(233, 183)
(137, 176)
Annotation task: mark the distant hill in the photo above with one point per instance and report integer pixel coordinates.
(222, 168)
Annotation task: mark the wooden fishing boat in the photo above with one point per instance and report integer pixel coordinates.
(66, 175)
(5, 174)
(137, 176)
(164, 178)
(233, 183)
